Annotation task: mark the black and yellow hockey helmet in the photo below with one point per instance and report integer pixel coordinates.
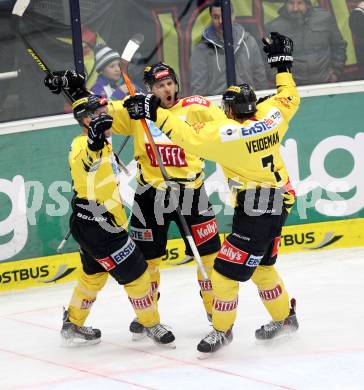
(241, 99)
(86, 106)
(157, 72)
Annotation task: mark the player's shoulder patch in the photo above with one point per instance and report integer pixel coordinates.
(230, 132)
(285, 101)
(200, 100)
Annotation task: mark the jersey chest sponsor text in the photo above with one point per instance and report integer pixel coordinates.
(171, 155)
(195, 100)
(272, 120)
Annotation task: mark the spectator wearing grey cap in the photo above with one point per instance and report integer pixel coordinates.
(109, 82)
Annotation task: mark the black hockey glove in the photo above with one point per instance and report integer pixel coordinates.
(68, 80)
(142, 106)
(279, 50)
(96, 131)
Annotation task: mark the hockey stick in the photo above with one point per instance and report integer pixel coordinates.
(123, 144)
(132, 46)
(17, 13)
(77, 36)
(120, 163)
(75, 16)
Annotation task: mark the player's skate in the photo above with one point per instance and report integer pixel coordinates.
(279, 329)
(137, 330)
(161, 335)
(73, 335)
(214, 341)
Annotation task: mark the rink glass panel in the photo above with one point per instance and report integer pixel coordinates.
(171, 30)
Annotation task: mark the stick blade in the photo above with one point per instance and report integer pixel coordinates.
(132, 46)
(20, 7)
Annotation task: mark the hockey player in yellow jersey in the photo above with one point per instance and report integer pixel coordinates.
(247, 147)
(98, 224)
(152, 211)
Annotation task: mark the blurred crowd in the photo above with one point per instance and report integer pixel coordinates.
(321, 54)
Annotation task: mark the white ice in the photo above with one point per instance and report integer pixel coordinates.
(328, 352)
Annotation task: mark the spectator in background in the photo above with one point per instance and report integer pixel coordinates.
(319, 46)
(356, 23)
(208, 58)
(109, 82)
(90, 40)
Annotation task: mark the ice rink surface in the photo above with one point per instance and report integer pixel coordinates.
(327, 353)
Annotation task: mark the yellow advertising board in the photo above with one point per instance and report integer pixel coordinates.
(43, 271)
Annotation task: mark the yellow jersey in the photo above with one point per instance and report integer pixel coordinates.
(181, 166)
(95, 177)
(249, 152)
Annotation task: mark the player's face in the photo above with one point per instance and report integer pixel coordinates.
(297, 7)
(227, 110)
(166, 91)
(99, 111)
(112, 71)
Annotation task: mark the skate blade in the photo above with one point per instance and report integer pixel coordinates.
(75, 343)
(138, 336)
(280, 339)
(171, 345)
(205, 355)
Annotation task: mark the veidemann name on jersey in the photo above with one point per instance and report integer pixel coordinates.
(263, 143)
(171, 155)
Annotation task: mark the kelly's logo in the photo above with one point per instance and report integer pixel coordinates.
(195, 100)
(231, 253)
(204, 231)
